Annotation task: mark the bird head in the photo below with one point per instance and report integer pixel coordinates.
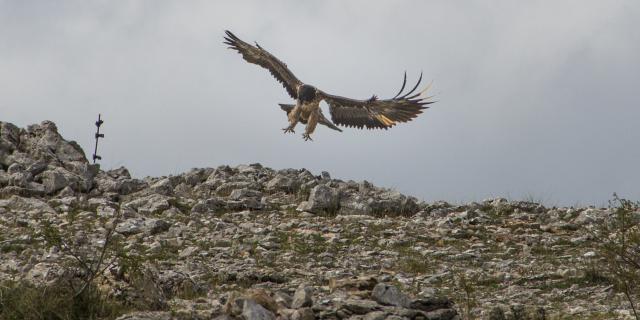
(306, 93)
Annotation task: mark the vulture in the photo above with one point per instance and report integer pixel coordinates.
(372, 113)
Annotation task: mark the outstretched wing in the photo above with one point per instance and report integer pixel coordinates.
(377, 114)
(263, 58)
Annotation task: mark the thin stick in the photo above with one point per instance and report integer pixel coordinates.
(626, 293)
(94, 273)
(98, 135)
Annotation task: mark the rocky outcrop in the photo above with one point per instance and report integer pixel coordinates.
(37, 161)
(258, 243)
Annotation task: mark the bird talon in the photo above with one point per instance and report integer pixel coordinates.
(288, 129)
(306, 137)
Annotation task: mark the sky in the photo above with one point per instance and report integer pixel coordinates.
(536, 100)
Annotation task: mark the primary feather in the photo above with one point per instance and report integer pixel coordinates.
(374, 113)
(263, 58)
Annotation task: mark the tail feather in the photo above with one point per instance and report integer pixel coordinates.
(286, 107)
(327, 122)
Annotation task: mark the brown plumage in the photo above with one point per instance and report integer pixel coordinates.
(321, 119)
(372, 113)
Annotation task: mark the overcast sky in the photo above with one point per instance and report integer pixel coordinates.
(536, 99)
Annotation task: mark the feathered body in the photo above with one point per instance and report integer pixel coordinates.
(371, 113)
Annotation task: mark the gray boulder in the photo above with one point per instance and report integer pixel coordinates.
(130, 226)
(120, 185)
(37, 167)
(283, 183)
(9, 139)
(321, 199)
(251, 310)
(151, 204)
(390, 295)
(40, 155)
(20, 179)
(226, 188)
(16, 203)
(239, 194)
(14, 168)
(196, 176)
(303, 314)
(163, 187)
(155, 226)
(54, 180)
(589, 216)
(209, 205)
(356, 306)
(47, 144)
(302, 297)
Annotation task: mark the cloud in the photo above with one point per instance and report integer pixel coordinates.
(535, 99)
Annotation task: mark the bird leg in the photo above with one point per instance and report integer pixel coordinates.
(311, 125)
(293, 119)
(289, 129)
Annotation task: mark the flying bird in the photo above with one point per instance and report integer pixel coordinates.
(372, 113)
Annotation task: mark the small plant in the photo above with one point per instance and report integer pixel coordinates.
(410, 260)
(469, 297)
(90, 267)
(74, 294)
(22, 300)
(618, 245)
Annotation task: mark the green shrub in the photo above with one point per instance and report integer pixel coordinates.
(22, 300)
(618, 246)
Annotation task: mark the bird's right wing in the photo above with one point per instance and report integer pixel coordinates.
(375, 113)
(263, 58)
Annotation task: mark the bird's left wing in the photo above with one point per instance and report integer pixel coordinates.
(263, 58)
(375, 113)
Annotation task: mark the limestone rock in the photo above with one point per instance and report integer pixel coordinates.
(302, 297)
(321, 199)
(389, 295)
(130, 226)
(282, 183)
(251, 310)
(355, 306)
(239, 194)
(303, 314)
(54, 180)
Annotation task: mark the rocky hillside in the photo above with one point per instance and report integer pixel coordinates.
(257, 243)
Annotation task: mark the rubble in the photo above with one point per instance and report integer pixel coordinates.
(258, 243)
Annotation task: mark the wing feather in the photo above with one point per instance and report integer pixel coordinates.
(374, 113)
(258, 55)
